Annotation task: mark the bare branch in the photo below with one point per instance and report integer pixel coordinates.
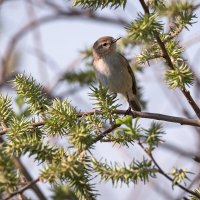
(30, 184)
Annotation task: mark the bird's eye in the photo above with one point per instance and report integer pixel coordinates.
(104, 44)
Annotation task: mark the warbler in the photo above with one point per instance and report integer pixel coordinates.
(113, 70)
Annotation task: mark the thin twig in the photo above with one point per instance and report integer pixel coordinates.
(35, 124)
(161, 171)
(134, 114)
(102, 135)
(169, 178)
(20, 191)
(19, 165)
(161, 117)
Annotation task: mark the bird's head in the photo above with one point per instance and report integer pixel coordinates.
(104, 46)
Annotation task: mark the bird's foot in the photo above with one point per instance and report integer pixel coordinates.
(128, 111)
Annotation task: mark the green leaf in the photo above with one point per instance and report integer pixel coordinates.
(144, 28)
(9, 179)
(60, 117)
(133, 173)
(24, 138)
(32, 92)
(81, 135)
(152, 136)
(75, 172)
(63, 192)
(6, 111)
(179, 176)
(126, 135)
(126, 120)
(104, 101)
(179, 77)
(150, 52)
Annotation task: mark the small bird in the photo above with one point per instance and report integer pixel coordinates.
(113, 70)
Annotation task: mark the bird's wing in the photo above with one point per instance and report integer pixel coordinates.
(134, 88)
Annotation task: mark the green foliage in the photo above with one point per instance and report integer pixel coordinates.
(126, 135)
(130, 134)
(81, 135)
(6, 111)
(9, 179)
(174, 50)
(133, 173)
(106, 102)
(63, 192)
(180, 13)
(100, 3)
(74, 171)
(147, 27)
(33, 94)
(24, 138)
(156, 5)
(179, 77)
(152, 136)
(179, 175)
(148, 53)
(144, 28)
(60, 117)
(84, 78)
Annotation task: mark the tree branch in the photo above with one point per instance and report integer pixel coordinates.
(134, 114)
(161, 117)
(102, 135)
(36, 124)
(18, 163)
(29, 185)
(170, 64)
(160, 170)
(169, 178)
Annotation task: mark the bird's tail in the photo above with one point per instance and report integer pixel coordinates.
(134, 103)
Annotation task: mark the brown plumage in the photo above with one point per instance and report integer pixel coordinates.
(113, 70)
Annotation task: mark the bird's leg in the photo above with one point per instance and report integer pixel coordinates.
(128, 111)
(129, 107)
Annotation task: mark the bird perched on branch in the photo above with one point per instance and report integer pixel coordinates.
(113, 70)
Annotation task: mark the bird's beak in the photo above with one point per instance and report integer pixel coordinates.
(115, 40)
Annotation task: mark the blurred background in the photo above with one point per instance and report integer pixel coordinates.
(52, 40)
